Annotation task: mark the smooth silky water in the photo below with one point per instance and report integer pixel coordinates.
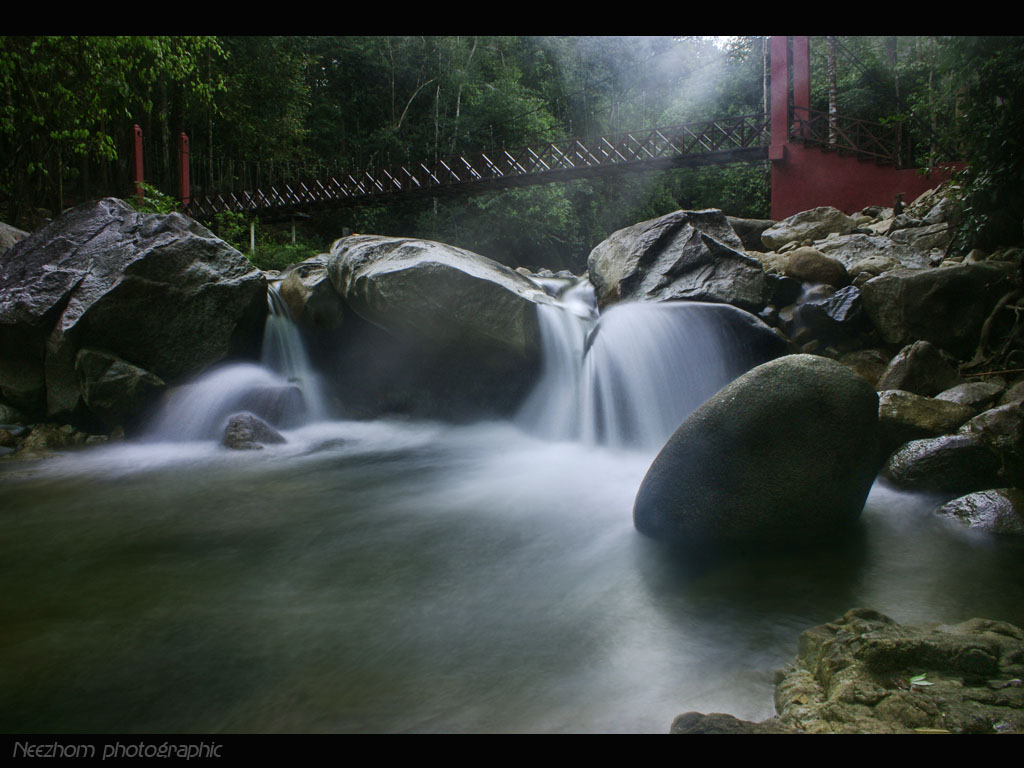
(411, 576)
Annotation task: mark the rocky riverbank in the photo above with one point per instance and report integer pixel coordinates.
(864, 673)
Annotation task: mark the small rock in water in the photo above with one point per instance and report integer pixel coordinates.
(246, 431)
(999, 511)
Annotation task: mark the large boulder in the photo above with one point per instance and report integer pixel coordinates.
(450, 332)
(945, 306)
(160, 293)
(693, 255)
(786, 452)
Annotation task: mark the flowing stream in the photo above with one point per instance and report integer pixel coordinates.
(414, 576)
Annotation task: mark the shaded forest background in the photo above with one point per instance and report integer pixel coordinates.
(279, 106)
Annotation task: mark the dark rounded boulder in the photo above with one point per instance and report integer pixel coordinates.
(785, 453)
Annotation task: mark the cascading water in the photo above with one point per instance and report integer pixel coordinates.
(285, 353)
(284, 389)
(629, 377)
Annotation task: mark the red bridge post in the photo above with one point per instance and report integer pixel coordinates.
(805, 177)
(779, 101)
(184, 183)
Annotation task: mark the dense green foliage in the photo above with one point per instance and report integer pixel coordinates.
(261, 109)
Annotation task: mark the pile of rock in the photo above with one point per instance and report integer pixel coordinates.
(877, 292)
(864, 673)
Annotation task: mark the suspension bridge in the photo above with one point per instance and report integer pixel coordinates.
(816, 159)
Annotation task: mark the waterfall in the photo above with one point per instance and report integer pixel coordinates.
(283, 389)
(285, 353)
(631, 376)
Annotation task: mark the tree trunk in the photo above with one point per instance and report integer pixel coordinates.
(833, 91)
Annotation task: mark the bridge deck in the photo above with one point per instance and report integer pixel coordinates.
(727, 140)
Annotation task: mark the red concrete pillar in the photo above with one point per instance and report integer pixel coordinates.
(184, 183)
(137, 161)
(779, 97)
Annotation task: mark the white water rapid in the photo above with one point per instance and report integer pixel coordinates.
(629, 377)
(283, 389)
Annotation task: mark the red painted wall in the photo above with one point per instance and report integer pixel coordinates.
(808, 177)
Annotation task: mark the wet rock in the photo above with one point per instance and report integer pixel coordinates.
(868, 363)
(959, 463)
(836, 318)
(246, 431)
(692, 255)
(1014, 394)
(9, 236)
(696, 722)
(113, 388)
(980, 395)
(873, 266)
(159, 292)
(749, 230)
(923, 238)
(812, 266)
(1002, 429)
(919, 368)
(45, 439)
(786, 452)
(307, 290)
(864, 673)
(784, 290)
(943, 306)
(853, 249)
(10, 415)
(998, 511)
(773, 263)
(943, 211)
(443, 330)
(904, 416)
(814, 224)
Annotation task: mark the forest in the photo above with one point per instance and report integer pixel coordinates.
(259, 108)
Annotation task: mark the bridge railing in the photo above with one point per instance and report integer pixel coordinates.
(564, 159)
(883, 143)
